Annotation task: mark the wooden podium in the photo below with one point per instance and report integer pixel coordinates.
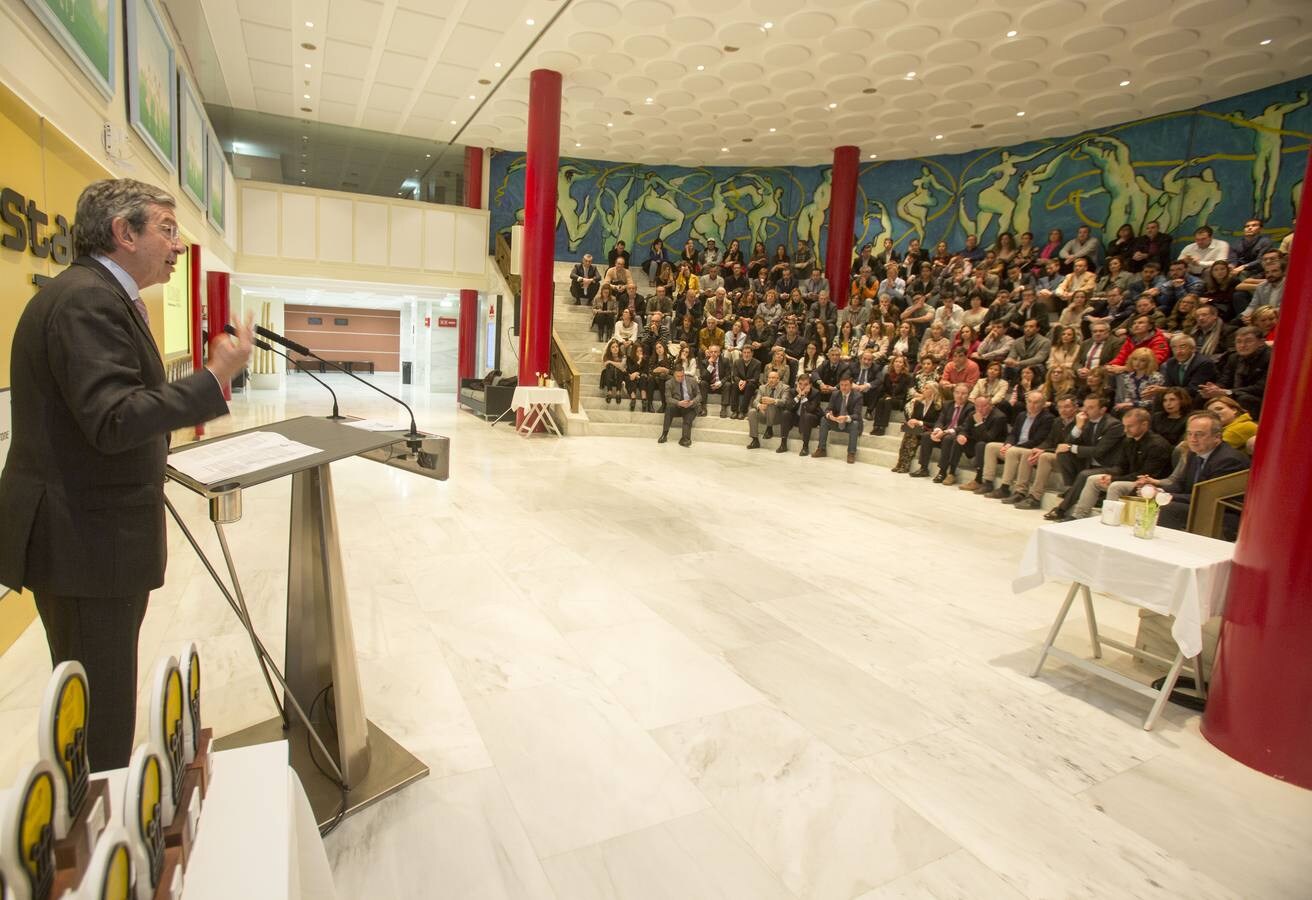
(344, 761)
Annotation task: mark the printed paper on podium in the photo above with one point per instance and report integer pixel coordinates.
(223, 460)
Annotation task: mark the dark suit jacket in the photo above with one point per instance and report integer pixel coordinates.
(674, 391)
(746, 370)
(1038, 431)
(945, 416)
(1246, 377)
(1099, 444)
(1150, 455)
(82, 492)
(993, 428)
(853, 407)
(829, 373)
(1110, 348)
(1224, 460)
(1200, 371)
(799, 405)
(1059, 433)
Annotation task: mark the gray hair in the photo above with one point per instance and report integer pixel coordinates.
(113, 198)
(1210, 417)
(1183, 338)
(1036, 395)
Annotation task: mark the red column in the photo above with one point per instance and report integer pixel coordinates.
(467, 335)
(1260, 706)
(197, 351)
(538, 290)
(216, 299)
(842, 219)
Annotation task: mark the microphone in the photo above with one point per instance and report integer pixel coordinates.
(297, 363)
(413, 437)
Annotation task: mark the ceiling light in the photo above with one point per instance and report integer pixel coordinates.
(577, 144)
(1012, 33)
(610, 124)
(472, 97)
(309, 24)
(428, 156)
(302, 171)
(767, 24)
(528, 22)
(307, 65)
(306, 96)
(1265, 42)
(1021, 113)
(1125, 84)
(874, 156)
(938, 137)
(833, 106)
(724, 149)
(496, 65)
(911, 75)
(453, 121)
(648, 100)
(772, 130)
(701, 68)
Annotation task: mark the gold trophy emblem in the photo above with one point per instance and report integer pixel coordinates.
(28, 832)
(109, 874)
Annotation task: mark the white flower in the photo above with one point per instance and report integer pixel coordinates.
(1147, 491)
(1163, 498)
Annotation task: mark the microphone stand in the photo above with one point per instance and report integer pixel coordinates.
(336, 417)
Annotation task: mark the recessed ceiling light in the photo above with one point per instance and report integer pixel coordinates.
(305, 96)
(1265, 42)
(305, 137)
(724, 149)
(772, 130)
(302, 171)
(648, 100)
(874, 156)
(767, 24)
(309, 24)
(1125, 84)
(833, 106)
(453, 121)
(938, 137)
(911, 75)
(610, 124)
(307, 65)
(472, 97)
(1021, 113)
(577, 144)
(1012, 33)
(701, 68)
(529, 22)
(428, 156)
(496, 65)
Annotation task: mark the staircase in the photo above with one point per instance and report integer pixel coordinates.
(572, 324)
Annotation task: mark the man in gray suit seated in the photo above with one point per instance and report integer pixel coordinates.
(682, 398)
(770, 401)
(844, 414)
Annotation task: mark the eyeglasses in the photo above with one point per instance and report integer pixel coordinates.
(172, 232)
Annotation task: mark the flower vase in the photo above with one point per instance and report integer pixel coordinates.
(1145, 520)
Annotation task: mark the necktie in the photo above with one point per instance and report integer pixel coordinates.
(956, 414)
(685, 388)
(842, 409)
(862, 379)
(1198, 470)
(1094, 352)
(141, 308)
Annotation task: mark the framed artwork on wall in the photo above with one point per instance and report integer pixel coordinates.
(152, 86)
(191, 142)
(216, 175)
(87, 30)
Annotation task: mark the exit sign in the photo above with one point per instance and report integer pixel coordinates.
(445, 322)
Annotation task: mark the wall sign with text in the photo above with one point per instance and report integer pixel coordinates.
(23, 226)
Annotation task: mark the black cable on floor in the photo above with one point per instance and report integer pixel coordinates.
(336, 820)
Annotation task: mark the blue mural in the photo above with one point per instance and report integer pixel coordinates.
(1217, 164)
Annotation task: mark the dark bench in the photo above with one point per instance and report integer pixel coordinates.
(487, 400)
(349, 365)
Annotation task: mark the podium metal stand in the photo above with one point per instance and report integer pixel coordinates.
(344, 761)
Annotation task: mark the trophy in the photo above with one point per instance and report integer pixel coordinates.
(181, 797)
(196, 737)
(157, 868)
(81, 805)
(109, 874)
(27, 834)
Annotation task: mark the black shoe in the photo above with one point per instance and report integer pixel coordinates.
(938, 479)
(701, 412)
(805, 451)
(1057, 514)
(662, 409)
(920, 473)
(685, 442)
(783, 447)
(899, 470)
(724, 413)
(662, 439)
(879, 430)
(1028, 503)
(769, 433)
(754, 445)
(633, 404)
(1001, 493)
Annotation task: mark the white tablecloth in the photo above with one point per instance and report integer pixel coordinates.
(531, 395)
(1176, 573)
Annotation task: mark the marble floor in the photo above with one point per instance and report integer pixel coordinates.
(642, 671)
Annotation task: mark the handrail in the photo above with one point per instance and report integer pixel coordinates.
(563, 370)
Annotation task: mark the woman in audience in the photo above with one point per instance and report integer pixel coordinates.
(614, 368)
(1265, 319)
(1170, 420)
(921, 413)
(1219, 287)
(810, 359)
(795, 305)
(820, 332)
(691, 257)
(993, 386)
(603, 312)
(1025, 250)
(975, 312)
(936, 345)
(1182, 316)
(1116, 275)
(942, 255)
(1237, 426)
(734, 254)
(1075, 314)
(878, 339)
(1026, 381)
(760, 337)
(847, 340)
(638, 374)
(686, 280)
(686, 331)
(626, 332)
(1141, 371)
(1050, 250)
(1098, 383)
(780, 263)
(656, 258)
(686, 359)
(893, 392)
(734, 342)
(777, 362)
(665, 279)
(662, 366)
(746, 305)
(926, 372)
(1066, 347)
(1119, 249)
(905, 344)
(760, 261)
(1005, 248)
(967, 337)
(1059, 383)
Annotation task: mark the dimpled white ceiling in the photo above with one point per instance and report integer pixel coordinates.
(655, 81)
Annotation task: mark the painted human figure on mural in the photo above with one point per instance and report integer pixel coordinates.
(1027, 185)
(663, 205)
(1267, 143)
(1127, 200)
(914, 207)
(713, 222)
(811, 217)
(993, 199)
(621, 222)
(1181, 199)
(875, 212)
(767, 200)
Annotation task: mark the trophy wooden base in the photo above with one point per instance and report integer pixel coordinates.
(202, 763)
(181, 832)
(74, 851)
(170, 879)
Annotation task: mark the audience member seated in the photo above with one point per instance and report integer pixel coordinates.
(1181, 317)
(1116, 276)
(744, 376)
(918, 313)
(656, 257)
(1178, 283)
(813, 285)
(959, 370)
(584, 280)
(1208, 457)
(993, 386)
(1098, 383)
(1142, 453)
(1081, 278)
(714, 378)
(803, 260)
(1121, 247)
(1094, 448)
(1143, 333)
(827, 374)
(1040, 462)
(857, 312)
(893, 392)
(638, 374)
(618, 275)
(684, 403)
(662, 366)
(1029, 428)
(1246, 254)
(951, 422)
(770, 402)
(1237, 426)
(687, 280)
(1059, 382)
(659, 302)
(626, 331)
(1083, 246)
(1271, 290)
(776, 361)
(866, 378)
(1028, 307)
(604, 309)
(1065, 347)
(936, 346)
(984, 426)
(1134, 384)
(892, 284)
(843, 414)
(614, 369)
(1244, 376)
(686, 331)
(1149, 283)
(1153, 246)
(1172, 414)
(801, 410)
(921, 412)
(1030, 349)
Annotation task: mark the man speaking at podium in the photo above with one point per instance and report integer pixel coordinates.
(82, 491)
